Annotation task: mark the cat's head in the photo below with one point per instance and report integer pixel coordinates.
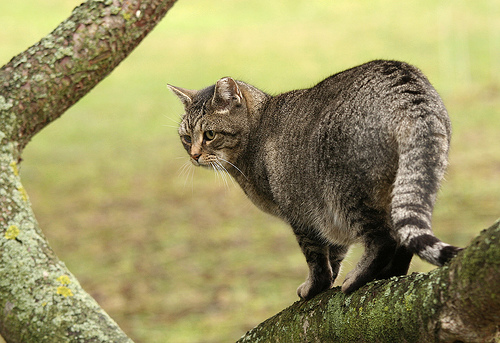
(214, 128)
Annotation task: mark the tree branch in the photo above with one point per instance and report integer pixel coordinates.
(40, 84)
(40, 300)
(457, 302)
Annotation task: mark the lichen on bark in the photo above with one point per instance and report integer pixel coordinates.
(32, 306)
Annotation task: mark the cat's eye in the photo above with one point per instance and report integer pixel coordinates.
(209, 135)
(187, 139)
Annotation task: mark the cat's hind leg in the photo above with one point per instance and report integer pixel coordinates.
(399, 264)
(323, 261)
(379, 252)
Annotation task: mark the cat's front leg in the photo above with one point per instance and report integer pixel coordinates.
(320, 276)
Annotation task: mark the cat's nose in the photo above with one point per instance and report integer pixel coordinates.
(196, 156)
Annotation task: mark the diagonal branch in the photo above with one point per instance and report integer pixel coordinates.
(40, 300)
(456, 303)
(40, 84)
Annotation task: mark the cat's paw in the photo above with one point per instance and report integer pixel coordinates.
(352, 282)
(355, 279)
(310, 289)
(304, 290)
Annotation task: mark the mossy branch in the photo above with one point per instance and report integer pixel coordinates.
(40, 300)
(459, 302)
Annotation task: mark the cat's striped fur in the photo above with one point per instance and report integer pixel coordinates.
(358, 157)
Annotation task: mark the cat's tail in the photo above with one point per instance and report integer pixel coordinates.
(423, 143)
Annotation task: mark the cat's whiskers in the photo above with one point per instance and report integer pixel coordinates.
(175, 127)
(222, 172)
(238, 169)
(177, 122)
(225, 172)
(186, 170)
(191, 175)
(216, 172)
(226, 175)
(182, 169)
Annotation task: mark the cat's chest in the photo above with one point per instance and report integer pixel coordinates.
(320, 213)
(259, 196)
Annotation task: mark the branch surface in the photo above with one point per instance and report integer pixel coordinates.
(457, 302)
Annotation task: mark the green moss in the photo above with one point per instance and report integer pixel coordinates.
(479, 249)
(127, 16)
(374, 314)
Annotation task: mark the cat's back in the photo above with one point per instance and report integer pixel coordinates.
(378, 95)
(375, 85)
(339, 136)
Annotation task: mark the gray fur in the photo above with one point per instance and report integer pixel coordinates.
(356, 158)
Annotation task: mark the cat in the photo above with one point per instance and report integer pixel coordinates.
(357, 158)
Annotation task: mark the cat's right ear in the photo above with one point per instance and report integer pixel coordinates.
(185, 95)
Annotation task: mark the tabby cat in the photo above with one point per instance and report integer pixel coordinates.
(356, 158)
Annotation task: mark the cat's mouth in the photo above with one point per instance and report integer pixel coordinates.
(204, 160)
(213, 162)
(199, 162)
(195, 162)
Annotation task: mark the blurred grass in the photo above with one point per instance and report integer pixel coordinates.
(176, 256)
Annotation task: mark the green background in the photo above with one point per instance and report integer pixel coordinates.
(177, 254)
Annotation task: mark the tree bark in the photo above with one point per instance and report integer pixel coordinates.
(40, 300)
(459, 302)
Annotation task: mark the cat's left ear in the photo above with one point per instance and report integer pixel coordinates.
(227, 93)
(185, 95)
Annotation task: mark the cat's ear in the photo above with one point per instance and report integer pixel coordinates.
(185, 95)
(227, 93)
